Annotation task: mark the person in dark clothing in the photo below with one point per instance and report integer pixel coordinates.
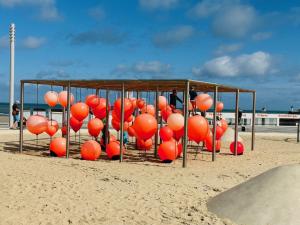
(173, 99)
(193, 95)
(240, 114)
(16, 114)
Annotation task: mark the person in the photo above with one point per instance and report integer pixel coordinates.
(16, 114)
(240, 114)
(103, 137)
(173, 100)
(193, 95)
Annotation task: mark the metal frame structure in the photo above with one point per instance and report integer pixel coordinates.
(148, 85)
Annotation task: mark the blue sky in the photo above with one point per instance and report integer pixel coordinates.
(251, 44)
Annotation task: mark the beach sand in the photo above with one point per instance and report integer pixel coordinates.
(44, 190)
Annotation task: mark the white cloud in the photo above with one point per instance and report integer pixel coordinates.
(173, 36)
(260, 36)
(97, 13)
(4, 41)
(47, 8)
(256, 64)
(33, 42)
(158, 4)
(225, 49)
(207, 8)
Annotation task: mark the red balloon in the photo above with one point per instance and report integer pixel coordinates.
(166, 112)
(168, 151)
(223, 125)
(53, 123)
(166, 133)
(178, 134)
(240, 148)
(219, 132)
(100, 110)
(117, 125)
(220, 106)
(92, 100)
(52, 128)
(148, 109)
(140, 103)
(113, 150)
(197, 128)
(115, 116)
(51, 98)
(145, 126)
(95, 126)
(80, 111)
(144, 145)
(130, 118)
(75, 124)
(209, 143)
(133, 101)
(90, 150)
(64, 130)
(37, 124)
(63, 98)
(131, 131)
(128, 108)
(58, 146)
(179, 147)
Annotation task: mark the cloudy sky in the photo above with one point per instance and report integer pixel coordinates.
(252, 44)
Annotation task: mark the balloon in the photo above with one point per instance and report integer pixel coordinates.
(113, 150)
(53, 123)
(219, 132)
(51, 98)
(144, 145)
(178, 134)
(175, 121)
(52, 128)
(197, 128)
(92, 101)
(130, 118)
(90, 150)
(220, 106)
(63, 98)
(168, 151)
(166, 133)
(64, 130)
(179, 147)
(95, 126)
(131, 131)
(58, 146)
(145, 126)
(128, 108)
(100, 110)
(162, 102)
(75, 124)
(140, 103)
(37, 124)
(204, 102)
(149, 109)
(209, 143)
(166, 112)
(223, 125)
(115, 116)
(80, 111)
(240, 148)
(133, 101)
(117, 125)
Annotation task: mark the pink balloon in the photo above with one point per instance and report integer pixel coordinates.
(37, 124)
(63, 98)
(175, 121)
(204, 102)
(162, 102)
(51, 98)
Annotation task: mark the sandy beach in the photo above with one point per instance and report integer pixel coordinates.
(44, 190)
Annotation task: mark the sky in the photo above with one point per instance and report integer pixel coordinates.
(249, 44)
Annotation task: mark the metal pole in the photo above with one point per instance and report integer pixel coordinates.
(107, 118)
(186, 113)
(156, 115)
(122, 122)
(12, 72)
(236, 120)
(21, 116)
(68, 119)
(215, 124)
(137, 112)
(63, 114)
(253, 120)
(298, 131)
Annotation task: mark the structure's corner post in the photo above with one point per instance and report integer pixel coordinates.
(215, 123)
(122, 122)
(186, 115)
(157, 119)
(68, 119)
(107, 119)
(21, 116)
(253, 120)
(237, 94)
(12, 72)
(298, 131)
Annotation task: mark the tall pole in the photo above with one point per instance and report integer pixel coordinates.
(157, 117)
(122, 122)
(107, 138)
(68, 119)
(215, 124)
(186, 116)
(253, 120)
(236, 120)
(21, 116)
(12, 72)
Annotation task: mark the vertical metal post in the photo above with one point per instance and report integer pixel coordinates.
(21, 116)
(107, 119)
(214, 124)
(161, 119)
(298, 131)
(12, 72)
(236, 120)
(157, 118)
(122, 122)
(63, 123)
(137, 112)
(68, 120)
(253, 120)
(186, 115)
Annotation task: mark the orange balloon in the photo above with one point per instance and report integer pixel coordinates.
(95, 126)
(166, 133)
(64, 130)
(162, 102)
(63, 98)
(168, 151)
(37, 124)
(145, 126)
(100, 110)
(117, 125)
(179, 147)
(130, 119)
(51, 98)
(198, 128)
(178, 134)
(223, 125)
(90, 150)
(175, 121)
(140, 103)
(150, 109)
(113, 150)
(53, 123)
(133, 101)
(58, 146)
(52, 128)
(204, 102)
(220, 106)
(166, 112)
(144, 145)
(92, 100)
(75, 124)
(80, 111)
(209, 144)
(128, 108)
(131, 131)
